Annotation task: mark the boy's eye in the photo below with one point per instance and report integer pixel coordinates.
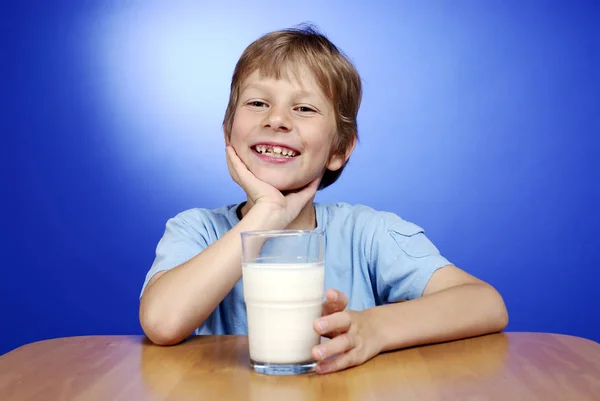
(305, 109)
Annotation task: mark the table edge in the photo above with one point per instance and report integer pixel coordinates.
(141, 337)
(89, 336)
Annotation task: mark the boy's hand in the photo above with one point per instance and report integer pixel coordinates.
(353, 341)
(259, 192)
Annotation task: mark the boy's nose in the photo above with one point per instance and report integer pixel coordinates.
(278, 120)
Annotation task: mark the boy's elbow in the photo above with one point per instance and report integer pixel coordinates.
(160, 336)
(502, 319)
(500, 312)
(159, 330)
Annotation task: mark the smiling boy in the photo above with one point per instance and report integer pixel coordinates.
(290, 128)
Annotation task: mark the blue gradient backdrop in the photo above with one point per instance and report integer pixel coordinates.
(480, 122)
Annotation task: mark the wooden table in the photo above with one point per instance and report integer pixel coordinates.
(506, 366)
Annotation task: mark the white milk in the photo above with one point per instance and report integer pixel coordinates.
(283, 301)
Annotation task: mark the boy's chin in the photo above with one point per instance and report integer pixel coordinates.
(286, 187)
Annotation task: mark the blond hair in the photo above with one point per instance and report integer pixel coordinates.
(274, 53)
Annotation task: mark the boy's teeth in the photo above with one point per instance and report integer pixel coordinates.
(275, 151)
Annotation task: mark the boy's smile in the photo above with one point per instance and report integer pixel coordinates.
(283, 129)
(275, 152)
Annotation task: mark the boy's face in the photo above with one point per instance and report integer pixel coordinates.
(283, 130)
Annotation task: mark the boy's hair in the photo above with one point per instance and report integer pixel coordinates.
(305, 46)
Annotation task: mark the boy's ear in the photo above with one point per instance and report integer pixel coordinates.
(336, 162)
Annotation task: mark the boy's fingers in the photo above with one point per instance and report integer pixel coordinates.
(342, 299)
(312, 186)
(304, 195)
(338, 345)
(231, 169)
(311, 189)
(239, 168)
(236, 163)
(336, 301)
(335, 323)
(230, 153)
(338, 363)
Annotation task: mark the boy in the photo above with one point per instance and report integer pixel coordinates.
(290, 128)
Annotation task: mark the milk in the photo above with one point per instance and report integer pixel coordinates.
(282, 303)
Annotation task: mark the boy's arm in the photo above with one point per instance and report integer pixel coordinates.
(454, 305)
(176, 302)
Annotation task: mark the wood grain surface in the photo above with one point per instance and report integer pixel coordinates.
(505, 366)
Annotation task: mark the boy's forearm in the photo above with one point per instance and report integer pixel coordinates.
(179, 301)
(463, 311)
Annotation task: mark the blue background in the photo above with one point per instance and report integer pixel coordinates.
(480, 122)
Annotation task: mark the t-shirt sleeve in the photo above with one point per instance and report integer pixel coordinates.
(180, 242)
(403, 259)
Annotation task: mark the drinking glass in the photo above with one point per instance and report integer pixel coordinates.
(283, 277)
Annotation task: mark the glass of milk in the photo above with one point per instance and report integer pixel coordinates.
(283, 276)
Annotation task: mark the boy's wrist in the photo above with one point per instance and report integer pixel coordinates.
(263, 216)
(377, 328)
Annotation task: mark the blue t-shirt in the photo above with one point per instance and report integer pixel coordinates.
(373, 257)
